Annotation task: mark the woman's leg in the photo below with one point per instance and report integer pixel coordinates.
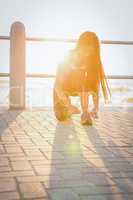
(61, 96)
(95, 98)
(96, 101)
(84, 101)
(85, 117)
(61, 104)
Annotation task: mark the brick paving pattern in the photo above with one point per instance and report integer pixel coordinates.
(43, 159)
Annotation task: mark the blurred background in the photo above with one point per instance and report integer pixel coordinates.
(110, 20)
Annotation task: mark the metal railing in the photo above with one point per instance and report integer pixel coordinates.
(17, 77)
(41, 39)
(53, 76)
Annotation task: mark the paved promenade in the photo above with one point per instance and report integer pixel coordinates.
(42, 159)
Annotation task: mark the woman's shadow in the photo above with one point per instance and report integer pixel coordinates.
(115, 164)
(73, 175)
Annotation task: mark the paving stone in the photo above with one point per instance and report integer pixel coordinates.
(51, 183)
(126, 184)
(13, 149)
(25, 158)
(43, 159)
(92, 190)
(16, 174)
(45, 170)
(21, 165)
(107, 197)
(31, 152)
(7, 185)
(9, 196)
(4, 162)
(32, 190)
(2, 150)
(63, 194)
(26, 179)
(5, 169)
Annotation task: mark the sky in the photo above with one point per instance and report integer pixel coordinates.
(109, 19)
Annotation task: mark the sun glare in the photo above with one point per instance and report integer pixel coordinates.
(45, 57)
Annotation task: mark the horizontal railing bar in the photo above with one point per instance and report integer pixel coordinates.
(4, 38)
(40, 76)
(117, 42)
(119, 77)
(40, 39)
(33, 39)
(53, 76)
(4, 74)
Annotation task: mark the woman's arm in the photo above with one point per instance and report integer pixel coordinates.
(60, 76)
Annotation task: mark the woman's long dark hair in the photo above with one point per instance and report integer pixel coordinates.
(97, 71)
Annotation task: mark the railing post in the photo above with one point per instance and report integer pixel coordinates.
(17, 66)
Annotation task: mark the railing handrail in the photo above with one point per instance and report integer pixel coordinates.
(53, 76)
(42, 39)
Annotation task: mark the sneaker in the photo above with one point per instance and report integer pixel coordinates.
(86, 119)
(62, 112)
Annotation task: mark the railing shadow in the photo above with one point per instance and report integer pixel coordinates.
(7, 117)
